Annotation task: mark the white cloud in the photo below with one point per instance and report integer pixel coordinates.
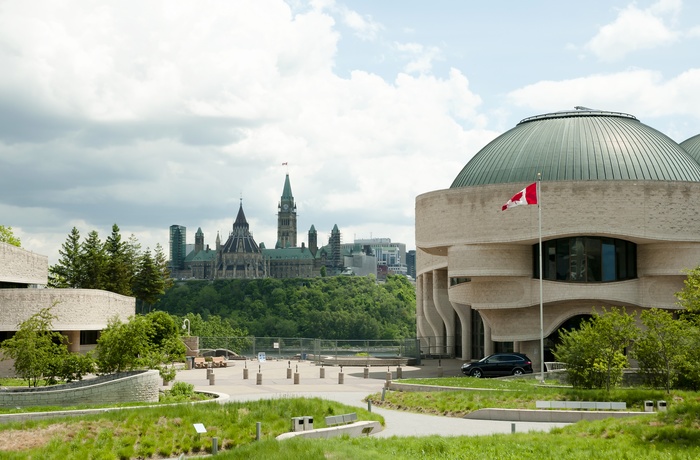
(634, 30)
(634, 91)
(364, 26)
(420, 57)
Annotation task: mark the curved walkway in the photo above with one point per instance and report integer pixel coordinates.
(275, 384)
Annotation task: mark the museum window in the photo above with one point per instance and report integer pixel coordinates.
(586, 259)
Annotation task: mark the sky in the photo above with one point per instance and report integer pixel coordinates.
(152, 113)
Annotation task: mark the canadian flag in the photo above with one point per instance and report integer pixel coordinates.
(528, 195)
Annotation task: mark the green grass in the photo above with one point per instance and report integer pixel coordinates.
(162, 432)
(511, 394)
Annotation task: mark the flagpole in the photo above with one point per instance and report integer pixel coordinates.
(539, 218)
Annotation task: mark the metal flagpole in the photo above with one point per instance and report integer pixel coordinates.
(539, 218)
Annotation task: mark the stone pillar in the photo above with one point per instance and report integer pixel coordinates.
(73, 341)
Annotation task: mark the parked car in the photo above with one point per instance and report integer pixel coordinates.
(499, 364)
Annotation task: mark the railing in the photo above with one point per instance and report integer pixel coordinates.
(305, 348)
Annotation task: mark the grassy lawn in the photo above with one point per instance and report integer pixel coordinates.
(161, 432)
(166, 432)
(512, 394)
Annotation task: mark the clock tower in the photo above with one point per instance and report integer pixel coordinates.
(287, 218)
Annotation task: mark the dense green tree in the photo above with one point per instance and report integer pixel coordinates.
(143, 341)
(595, 353)
(7, 236)
(329, 308)
(161, 262)
(118, 269)
(148, 284)
(35, 347)
(68, 272)
(93, 262)
(689, 297)
(662, 347)
(216, 332)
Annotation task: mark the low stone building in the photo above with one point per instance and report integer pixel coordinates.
(80, 313)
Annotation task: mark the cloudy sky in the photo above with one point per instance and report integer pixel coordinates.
(153, 113)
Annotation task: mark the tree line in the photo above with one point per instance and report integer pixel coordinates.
(339, 307)
(115, 265)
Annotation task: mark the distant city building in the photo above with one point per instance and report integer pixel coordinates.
(241, 257)
(390, 257)
(411, 263)
(178, 247)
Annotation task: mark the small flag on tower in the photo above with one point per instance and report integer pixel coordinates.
(284, 164)
(528, 195)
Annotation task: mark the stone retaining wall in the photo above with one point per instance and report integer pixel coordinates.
(136, 386)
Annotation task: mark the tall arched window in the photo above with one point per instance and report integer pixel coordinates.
(586, 259)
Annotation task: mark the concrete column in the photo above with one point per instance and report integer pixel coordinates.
(444, 309)
(465, 317)
(488, 343)
(73, 341)
(431, 314)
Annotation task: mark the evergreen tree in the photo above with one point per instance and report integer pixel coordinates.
(117, 270)
(162, 264)
(93, 261)
(68, 273)
(148, 283)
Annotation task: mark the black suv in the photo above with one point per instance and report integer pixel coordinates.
(499, 364)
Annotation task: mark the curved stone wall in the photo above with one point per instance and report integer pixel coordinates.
(18, 265)
(136, 386)
(76, 309)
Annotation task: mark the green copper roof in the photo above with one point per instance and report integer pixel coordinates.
(288, 253)
(579, 145)
(692, 146)
(287, 191)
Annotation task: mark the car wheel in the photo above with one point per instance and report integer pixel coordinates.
(518, 372)
(477, 373)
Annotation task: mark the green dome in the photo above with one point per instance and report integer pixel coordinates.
(692, 146)
(580, 145)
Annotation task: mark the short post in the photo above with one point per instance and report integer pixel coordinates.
(512, 427)
(322, 372)
(209, 372)
(366, 372)
(258, 425)
(289, 369)
(296, 376)
(388, 375)
(383, 393)
(399, 372)
(369, 405)
(258, 380)
(245, 371)
(214, 445)
(212, 378)
(440, 373)
(341, 376)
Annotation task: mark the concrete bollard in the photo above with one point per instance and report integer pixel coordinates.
(322, 372)
(440, 373)
(245, 373)
(388, 376)
(212, 378)
(366, 372)
(214, 445)
(289, 372)
(399, 373)
(296, 378)
(209, 371)
(258, 379)
(341, 378)
(258, 426)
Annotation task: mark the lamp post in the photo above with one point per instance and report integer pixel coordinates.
(186, 325)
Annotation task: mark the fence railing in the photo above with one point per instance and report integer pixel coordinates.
(305, 348)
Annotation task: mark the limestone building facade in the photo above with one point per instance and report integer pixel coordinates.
(620, 221)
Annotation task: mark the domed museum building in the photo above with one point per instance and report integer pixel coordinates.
(620, 222)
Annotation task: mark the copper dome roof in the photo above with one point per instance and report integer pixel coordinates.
(580, 145)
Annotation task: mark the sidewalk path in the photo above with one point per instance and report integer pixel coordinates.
(275, 384)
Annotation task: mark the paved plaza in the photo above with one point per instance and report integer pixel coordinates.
(229, 381)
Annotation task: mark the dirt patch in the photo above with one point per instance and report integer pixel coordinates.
(17, 440)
